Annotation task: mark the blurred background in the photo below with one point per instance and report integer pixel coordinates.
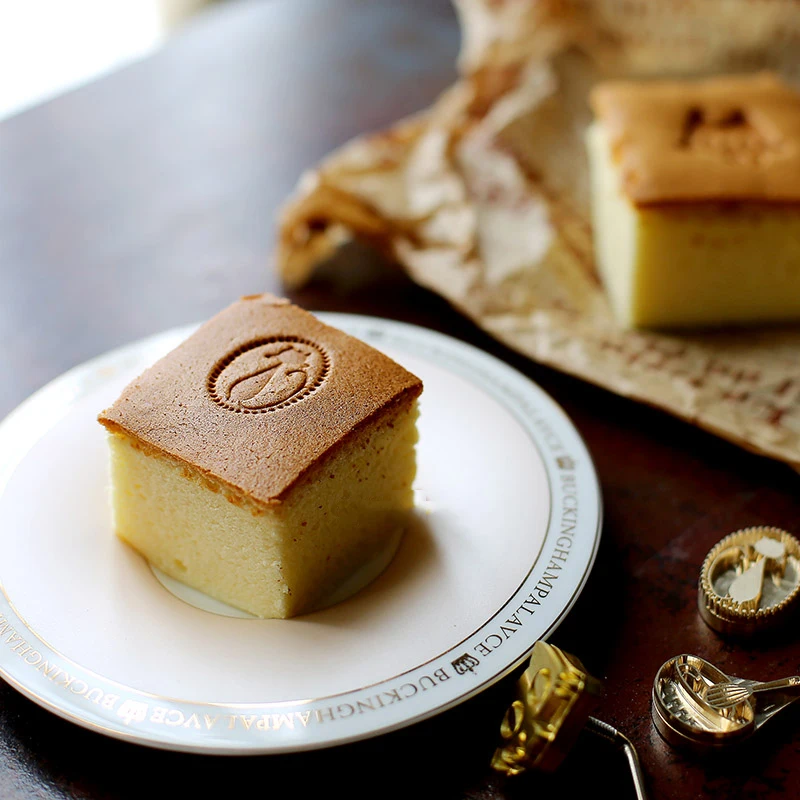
(49, 46)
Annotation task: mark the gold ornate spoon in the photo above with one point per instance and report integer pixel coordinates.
(725, 695)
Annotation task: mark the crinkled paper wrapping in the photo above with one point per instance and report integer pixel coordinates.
(482, 198)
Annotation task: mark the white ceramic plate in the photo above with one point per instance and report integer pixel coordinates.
(507, 527)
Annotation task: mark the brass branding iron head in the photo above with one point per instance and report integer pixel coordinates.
(555, 695)
(554, 698)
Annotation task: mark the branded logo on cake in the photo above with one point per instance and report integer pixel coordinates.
(731, 136)
(268, 375)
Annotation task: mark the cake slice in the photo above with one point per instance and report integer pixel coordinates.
(696, 200)
(266, 460)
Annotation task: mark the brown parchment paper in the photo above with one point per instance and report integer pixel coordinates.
(483, 198)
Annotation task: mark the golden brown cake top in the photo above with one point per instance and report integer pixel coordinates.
(734, 137)
(257, 395)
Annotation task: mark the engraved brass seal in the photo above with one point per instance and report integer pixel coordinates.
(268, 375)
(696, 705)
(750, 581)
(554, 697)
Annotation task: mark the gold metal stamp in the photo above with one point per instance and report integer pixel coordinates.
(697, 706)
(555, 696)
(750, 581)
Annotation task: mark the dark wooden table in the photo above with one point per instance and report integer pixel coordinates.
(146, 200)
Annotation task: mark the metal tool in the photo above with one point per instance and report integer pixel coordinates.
(554, 697)
(612, 735)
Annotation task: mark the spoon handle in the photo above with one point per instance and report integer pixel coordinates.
(784, 683)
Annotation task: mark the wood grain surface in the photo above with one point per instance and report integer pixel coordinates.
(146, 200)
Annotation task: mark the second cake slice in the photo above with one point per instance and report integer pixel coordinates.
(696, 200)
